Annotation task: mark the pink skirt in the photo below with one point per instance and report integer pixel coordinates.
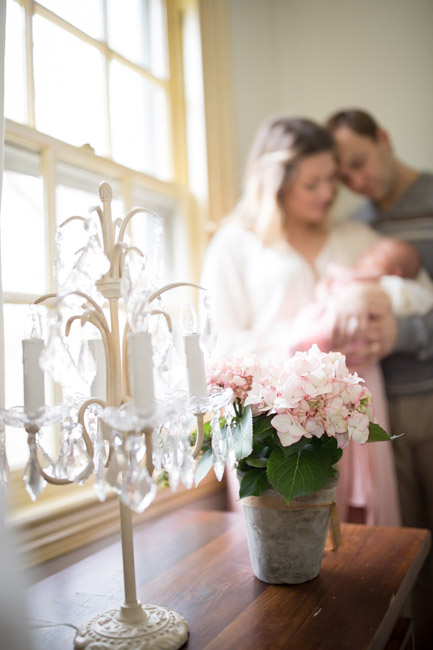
(367, 472)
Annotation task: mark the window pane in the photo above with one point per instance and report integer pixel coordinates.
(87, 15)
(174, 244)
(194, 101)
(23, 258)
(139, 122)
(158, 38)
(69, 93)
(128, 29)
(137, 30)
(15, 67)
(161, 134)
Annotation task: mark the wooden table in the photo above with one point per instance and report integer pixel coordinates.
(197, 564)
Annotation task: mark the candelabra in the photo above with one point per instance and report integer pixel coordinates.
(132, 428)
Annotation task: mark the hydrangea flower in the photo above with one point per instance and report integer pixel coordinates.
(310, 394)
(293, 418)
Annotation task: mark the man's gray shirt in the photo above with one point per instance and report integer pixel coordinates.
(409, 370)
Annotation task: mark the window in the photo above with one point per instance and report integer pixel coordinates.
(96, 74)
(94, 91)
(89, 97)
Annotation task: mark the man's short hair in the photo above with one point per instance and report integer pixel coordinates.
(358, 121)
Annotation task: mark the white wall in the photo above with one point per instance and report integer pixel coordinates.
(312, 57)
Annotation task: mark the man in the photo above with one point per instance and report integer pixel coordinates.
(400, 204)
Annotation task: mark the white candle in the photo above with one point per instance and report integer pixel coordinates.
(195, 367)
(34, 388)
(141, 369)
(98, 388)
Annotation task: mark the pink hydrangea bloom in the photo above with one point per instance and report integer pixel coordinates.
(234, 373)
(309, 394)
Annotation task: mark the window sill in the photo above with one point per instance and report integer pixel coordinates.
(46, 530)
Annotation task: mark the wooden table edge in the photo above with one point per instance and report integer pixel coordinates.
(385, 629)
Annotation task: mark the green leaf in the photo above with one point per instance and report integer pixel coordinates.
(376, 433)
(295, 448)
(262, 427)
(332, 445)
(204, 466)
(257, 461)
(305, 471)
(243, 434)
(207, 440)
(254, 483)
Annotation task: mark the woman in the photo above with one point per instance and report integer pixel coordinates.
(262, 266)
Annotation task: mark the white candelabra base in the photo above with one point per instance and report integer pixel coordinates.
(150, 628)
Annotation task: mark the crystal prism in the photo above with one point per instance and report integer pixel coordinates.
(231, 451)
(4, 467)
(218, 448)
(113, 470)
(79, 465)
(33, 479)
(138, 490)
(208, 338)
(99, 460)
(86, 363)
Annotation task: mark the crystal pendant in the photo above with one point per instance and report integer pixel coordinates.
(218, 447)
(231, 451)
(173, 469)
(91, 420)
(157, 251)
(4, 467)
(49, 465)
(168, 440)
(136, 276)
(55, 358)
(188, 317)
(99, 460)
(89, 267)
(161, 338)
(95, 262)
(113, 471)
(86, 363)
(186, 462)
(33, 480)
(60, 272)
(59, 468)
(135, 287)
(137, 490)
(77, 281)
(79, 464)
(187, 466)
(126, 281)
(33, 324)
(156, 450)
(171, 374)
(208, 338)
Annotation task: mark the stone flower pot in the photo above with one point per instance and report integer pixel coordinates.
(286, 543)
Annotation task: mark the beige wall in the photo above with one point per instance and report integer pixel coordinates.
(311, 57)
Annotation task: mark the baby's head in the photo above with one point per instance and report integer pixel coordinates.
(391, 257)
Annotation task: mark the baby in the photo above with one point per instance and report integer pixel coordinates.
(393, 263)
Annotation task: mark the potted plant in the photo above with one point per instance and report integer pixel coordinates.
(291, 423)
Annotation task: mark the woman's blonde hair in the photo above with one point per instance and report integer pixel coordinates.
(280, 144)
